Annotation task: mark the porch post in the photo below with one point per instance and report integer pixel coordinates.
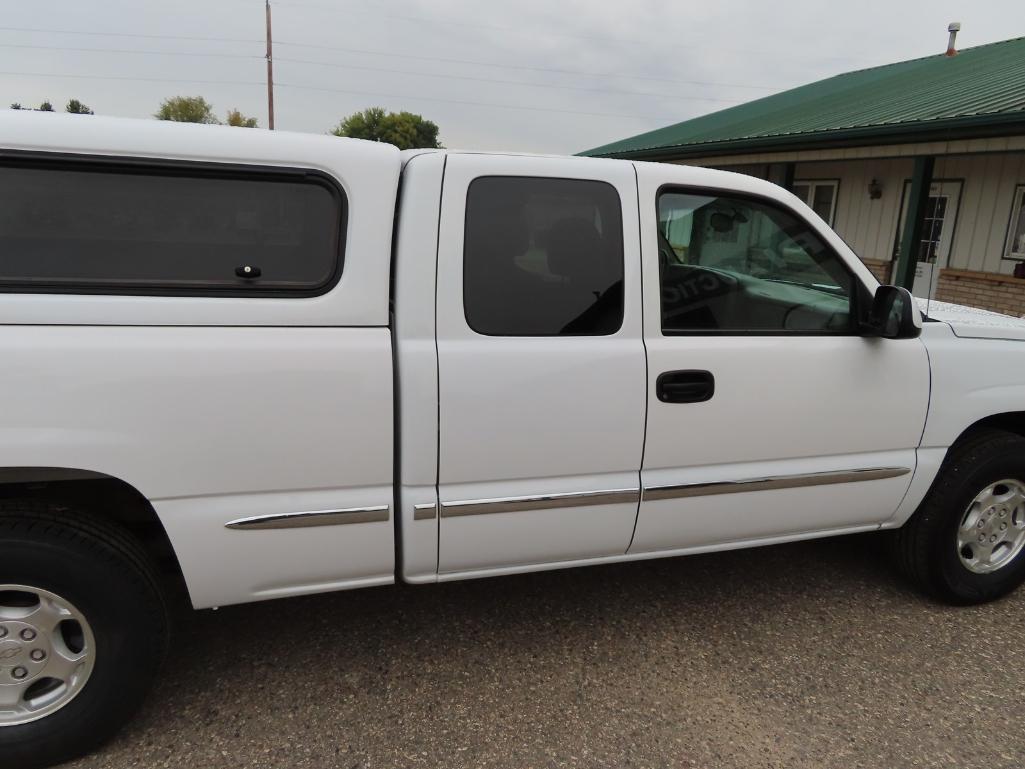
(921, 179)
(788, 176)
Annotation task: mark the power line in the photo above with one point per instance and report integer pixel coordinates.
(378, 94)
(131, 34)
(368, 52)
(506, 82)
(140, 79)
(456, 23)
(375, 94)
(127, 50)
(515, 30)
(524, 67)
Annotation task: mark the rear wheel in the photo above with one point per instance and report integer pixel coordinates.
(965, 543)
(82, 631)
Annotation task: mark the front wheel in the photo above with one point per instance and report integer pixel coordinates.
(965, 543)
(82, 631)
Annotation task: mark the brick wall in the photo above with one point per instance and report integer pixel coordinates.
(986, 290)
(879, 268)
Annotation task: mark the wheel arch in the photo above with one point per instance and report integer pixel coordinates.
(104, 497)
(1010, 421)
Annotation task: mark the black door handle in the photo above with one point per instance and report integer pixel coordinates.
(685, 386)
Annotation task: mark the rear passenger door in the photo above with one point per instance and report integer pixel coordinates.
(541, 363)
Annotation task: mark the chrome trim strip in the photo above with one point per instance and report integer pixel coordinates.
(539, 502)
(425, 512)
(681, 490)
(312, 518)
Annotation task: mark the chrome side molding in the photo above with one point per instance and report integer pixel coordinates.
(312, 518)
(681, 490)
(567, 499)
(539, 502)
(425, 512)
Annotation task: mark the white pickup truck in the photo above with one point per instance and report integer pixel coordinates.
(260, 364)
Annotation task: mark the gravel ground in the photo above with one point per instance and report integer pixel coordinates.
(804, 655)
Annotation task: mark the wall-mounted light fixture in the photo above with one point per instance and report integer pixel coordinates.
(875, 189)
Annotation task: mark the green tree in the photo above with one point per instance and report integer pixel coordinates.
(405, 130)
(46, 107)
(236, 118)
(75, 107)
(186, 109)
(16, 105)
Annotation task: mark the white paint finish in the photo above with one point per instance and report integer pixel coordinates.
(722, 518)
(796, 401)
(928, 462)
(538, 536)
(644, 556)
(180, 412)
(224, 566)
(971, 379)
(779, 397)
(416, 359)
(366, 171)
(528, 415)
(203, 414)
(973, 323)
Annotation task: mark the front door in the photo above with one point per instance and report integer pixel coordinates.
(541, 362)
(933, 252)
(768, 416)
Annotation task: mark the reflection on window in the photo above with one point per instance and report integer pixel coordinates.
(742, 265)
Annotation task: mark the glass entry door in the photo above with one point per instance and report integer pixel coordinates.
(932, 253)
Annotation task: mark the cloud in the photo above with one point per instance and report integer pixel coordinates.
(555, 76)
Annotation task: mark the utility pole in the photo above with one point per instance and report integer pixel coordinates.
(270, 73)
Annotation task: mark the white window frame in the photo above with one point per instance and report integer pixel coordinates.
(812, 184)
(1016, 206)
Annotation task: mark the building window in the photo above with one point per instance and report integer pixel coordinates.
(543, 257)
(820, 195)
(1015, 248)
(87, 226)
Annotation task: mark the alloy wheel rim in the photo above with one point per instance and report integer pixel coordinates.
(47, 653)
(992, 529)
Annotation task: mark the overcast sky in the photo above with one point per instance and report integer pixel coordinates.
(532, 75)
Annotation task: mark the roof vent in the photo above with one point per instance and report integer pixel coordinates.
(953, 28)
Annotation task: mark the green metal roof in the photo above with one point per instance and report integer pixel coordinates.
(937, 96)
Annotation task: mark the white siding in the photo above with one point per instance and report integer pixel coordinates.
(867, 225)
(989, 182)
(870, 226)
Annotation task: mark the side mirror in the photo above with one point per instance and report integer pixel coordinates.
(894, 314)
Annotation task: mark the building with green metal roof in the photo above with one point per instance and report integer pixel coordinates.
(928, 153)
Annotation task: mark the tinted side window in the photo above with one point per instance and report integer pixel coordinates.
(128, 229)
(543, 257)
(737, 264)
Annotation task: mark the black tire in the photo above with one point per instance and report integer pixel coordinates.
(105, 574)
(925, 548)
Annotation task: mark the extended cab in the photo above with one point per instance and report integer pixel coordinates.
(261, 364)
